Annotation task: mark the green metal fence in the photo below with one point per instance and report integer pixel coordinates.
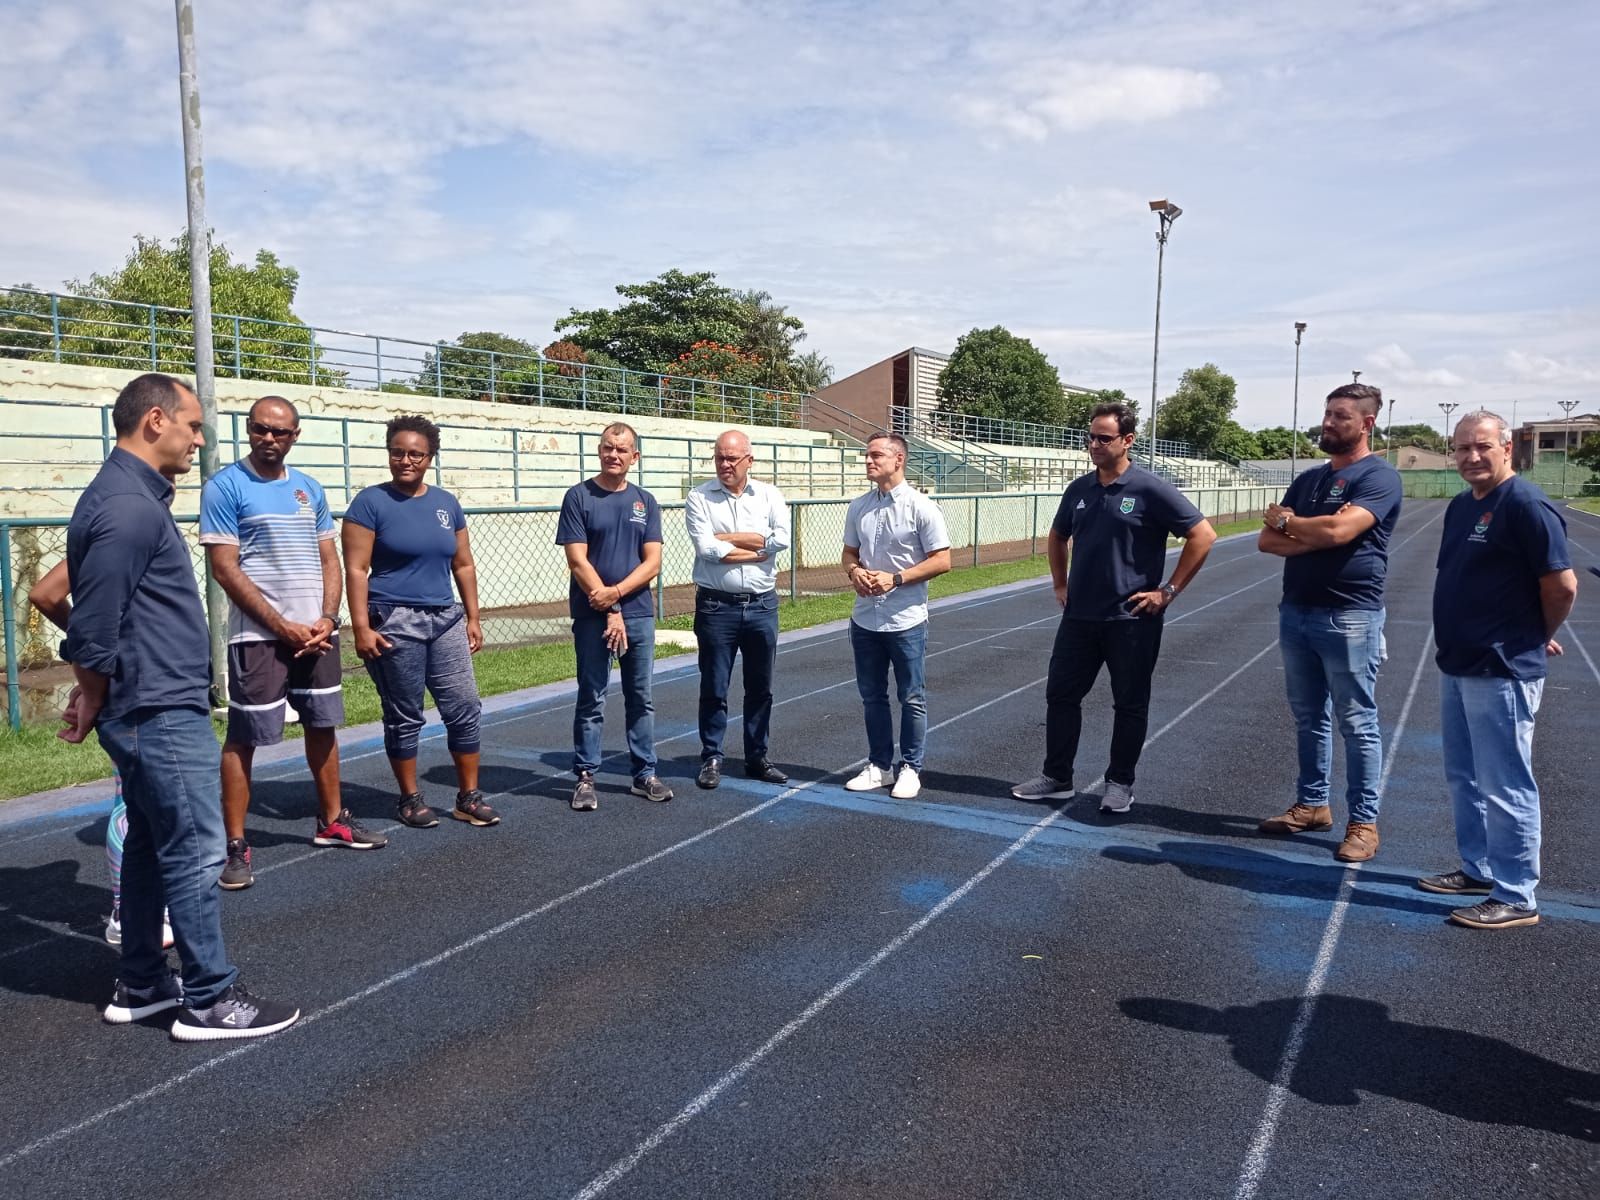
(1557, 483)
(522, 575)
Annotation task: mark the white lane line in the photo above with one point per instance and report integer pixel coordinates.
(311, 1018)
(1259, 1155)
(705, 1099)
(1582, 649)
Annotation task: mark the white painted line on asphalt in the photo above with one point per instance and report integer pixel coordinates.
(1577, 641)
(1259, 1154)
(705, 1099)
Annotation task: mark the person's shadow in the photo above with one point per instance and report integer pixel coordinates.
(36, 957)
(1353, 1046)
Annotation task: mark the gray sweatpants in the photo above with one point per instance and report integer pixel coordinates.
(428, 649)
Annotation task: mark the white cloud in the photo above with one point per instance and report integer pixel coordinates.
(1399, 366)
(1075, 96)
(1538, 368)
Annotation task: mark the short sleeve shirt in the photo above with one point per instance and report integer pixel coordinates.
(278, 525)
(1352, 575)
(893, 531)
(1119, 534)
(1487, 615)
(615, 526)
(413, 543)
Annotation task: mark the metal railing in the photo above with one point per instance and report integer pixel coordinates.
(523, 578)
(56, 327)
(995, 431)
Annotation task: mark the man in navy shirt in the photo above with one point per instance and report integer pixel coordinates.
(1116, 521)
(139, 650)
(1333, 530)
(611, 530)
(1504, 586)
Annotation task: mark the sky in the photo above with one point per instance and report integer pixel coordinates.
(1414, 179)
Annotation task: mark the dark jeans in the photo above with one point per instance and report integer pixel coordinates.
(1128, 650)
(594, 675)
(171, 782)
(906, 651)
(725, 626)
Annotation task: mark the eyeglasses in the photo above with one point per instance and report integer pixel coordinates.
(730, 459)
(272, 431)
(1105, 439)
(415, 456)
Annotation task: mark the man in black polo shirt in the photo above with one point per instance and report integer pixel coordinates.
(1115, 522)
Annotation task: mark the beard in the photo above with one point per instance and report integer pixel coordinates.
(1332, 443)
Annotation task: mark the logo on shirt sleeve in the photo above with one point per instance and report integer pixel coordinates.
(1126, 506)
(444, 517)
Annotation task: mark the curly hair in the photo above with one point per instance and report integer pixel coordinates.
(411, 423)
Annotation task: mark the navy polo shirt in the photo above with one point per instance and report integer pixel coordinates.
(1119, 536)
(1487, 617)
(615, 527)
(1352, 575)
(136, 614)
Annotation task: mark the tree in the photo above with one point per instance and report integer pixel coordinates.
(1587, 453)
(1235, 442)
(1275, 442)
(770, 334)
(811, 372)
(480, 365)
(1081, 404)
(993, 373)
(1201, 410)
(662, 319)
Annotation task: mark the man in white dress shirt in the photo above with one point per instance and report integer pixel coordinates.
(738, 527)
(894, 542)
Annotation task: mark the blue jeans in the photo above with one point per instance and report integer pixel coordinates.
(171, 770)
(724, 627)
(1488, 767)
(428, 649)
(594, 674)
(1330, 664)
(875, 653)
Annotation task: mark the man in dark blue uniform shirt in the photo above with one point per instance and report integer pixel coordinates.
(1333, 529)
(1115, 521)
(1504, 586)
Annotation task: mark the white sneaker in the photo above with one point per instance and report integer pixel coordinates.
(114, 930)
(907, 784)
(1118, 797)
(870, 777)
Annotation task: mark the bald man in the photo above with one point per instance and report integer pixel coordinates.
(738, 527)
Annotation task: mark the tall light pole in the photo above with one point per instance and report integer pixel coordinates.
(1167, 212)
(1566, 441)
(1388, 433)
(1447, 408)
(1355, 376)
(1294, 427)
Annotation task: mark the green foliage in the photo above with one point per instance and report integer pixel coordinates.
(1420, 434)
(770, 334)
(1080, 404)
(810, 372)
(662, 319)
(1588, 452)
(1276, 442)
(1235, 442)
(267, 341)
(1201, 410)
(993, 373)
(480, 366)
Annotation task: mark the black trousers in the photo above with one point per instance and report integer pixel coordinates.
(1128, 649)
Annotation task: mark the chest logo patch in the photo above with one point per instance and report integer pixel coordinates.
(1080, 505)
(1337, 490)
(638, 511)
(444, 518)
(1482, 527)
(1126, 506)
(301, 498)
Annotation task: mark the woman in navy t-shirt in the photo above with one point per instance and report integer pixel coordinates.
(403, 543)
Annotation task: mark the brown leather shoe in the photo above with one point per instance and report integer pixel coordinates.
(1301, 818)
(1360, 842)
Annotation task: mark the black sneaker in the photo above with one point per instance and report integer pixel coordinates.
(471, 809)
(134, 1004)
(343, 831)
(761, 769)
(651, 788)
(710, 774)
(413, 812)
(1455, 883)
(1495, 914)
(236, 871)
(583, 797)
(236, 1014)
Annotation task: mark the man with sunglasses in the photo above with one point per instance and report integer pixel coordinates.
(738, 527)
(1113, 524)
(269, 539)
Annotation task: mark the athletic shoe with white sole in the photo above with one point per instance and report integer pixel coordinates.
(1042, 787)
(869, 778)
(906, 784)
(343, 831)
(236, 1014)
(1118, 797)
(134, 1004)
(114, 929)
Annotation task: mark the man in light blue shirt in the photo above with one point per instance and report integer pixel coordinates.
(894, 542)
(738, 527)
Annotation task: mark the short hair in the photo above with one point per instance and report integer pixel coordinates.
(141, 395)
(622, 427)
(1478, 416)
(899, 442)
(287, 403)
(411, 423)
(1368, 398)
(1127, 421)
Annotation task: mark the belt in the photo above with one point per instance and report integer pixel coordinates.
(732, 597)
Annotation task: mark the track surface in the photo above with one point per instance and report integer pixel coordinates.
(804, 992)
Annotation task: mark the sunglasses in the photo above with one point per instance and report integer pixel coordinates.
(1105, 439)
(415, 456)
(259, 430)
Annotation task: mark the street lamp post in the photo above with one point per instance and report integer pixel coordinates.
(1355, 376)
(1447, 408)
(1167, 212)
(1566, 441)
(1388, 433)
(1294, 426)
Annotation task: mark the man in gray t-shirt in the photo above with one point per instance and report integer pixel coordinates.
(894, 542)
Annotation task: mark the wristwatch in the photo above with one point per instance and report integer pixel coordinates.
(1283, 522)
(897, 580)
(1169, 591)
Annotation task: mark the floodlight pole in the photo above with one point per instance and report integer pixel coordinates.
(1294, 421)
(1167, 212)
(1566, 441)
(200, 288)
(1388, 433)
(1447, 408)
